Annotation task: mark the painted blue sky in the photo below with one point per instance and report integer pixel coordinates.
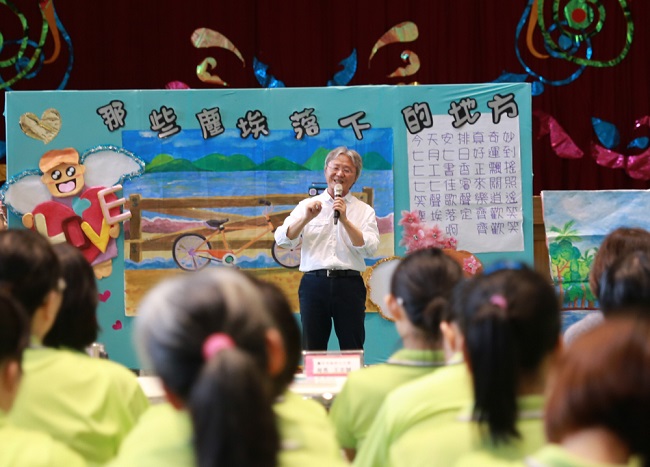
(596, 212)
(189, 144)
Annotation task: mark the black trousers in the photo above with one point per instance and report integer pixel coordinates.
(324, 300)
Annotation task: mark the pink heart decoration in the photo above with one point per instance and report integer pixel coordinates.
(104, 296)
(118, 325)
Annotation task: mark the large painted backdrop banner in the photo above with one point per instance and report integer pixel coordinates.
(206, 175)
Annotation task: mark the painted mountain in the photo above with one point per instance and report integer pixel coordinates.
(240, 162)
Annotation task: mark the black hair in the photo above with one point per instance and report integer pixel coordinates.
(14, 328)
(28, 267)
(76, 323)
(511, 321)
(424, 280)
(286, 323)
(228, 393)
(619, 242)
(625, 286)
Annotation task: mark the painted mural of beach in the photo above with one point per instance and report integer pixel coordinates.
(189, 181)
(576, 223)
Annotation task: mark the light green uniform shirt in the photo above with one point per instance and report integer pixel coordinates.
(459, 442)
(20, 447)
(163, 437)
(437, 396)
(356, 406)
(89, 404)
(308, 437)
(553, 455)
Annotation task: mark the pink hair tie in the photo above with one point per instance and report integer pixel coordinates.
(215, 343)
(500, 301)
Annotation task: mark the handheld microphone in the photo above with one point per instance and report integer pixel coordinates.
(338, 192)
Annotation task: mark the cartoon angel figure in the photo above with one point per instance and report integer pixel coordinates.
(72, 199)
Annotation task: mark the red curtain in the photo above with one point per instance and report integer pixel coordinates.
(125, 44)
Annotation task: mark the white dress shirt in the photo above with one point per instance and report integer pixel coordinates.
(328, 246)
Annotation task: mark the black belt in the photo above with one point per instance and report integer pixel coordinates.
(334, 273)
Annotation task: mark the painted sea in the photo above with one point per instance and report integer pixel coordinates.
(254, 183)
(570, 317)
(246, 183)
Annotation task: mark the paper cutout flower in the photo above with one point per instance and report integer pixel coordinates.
(417, 235)
(471, 265)
(451, 243)
(409, 218)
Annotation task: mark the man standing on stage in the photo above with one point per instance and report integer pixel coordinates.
(337, 232)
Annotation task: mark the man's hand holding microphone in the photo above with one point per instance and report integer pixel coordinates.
(339, 203)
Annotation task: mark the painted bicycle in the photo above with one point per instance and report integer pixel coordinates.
(192, 251)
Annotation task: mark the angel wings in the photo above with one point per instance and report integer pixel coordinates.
(72, 198)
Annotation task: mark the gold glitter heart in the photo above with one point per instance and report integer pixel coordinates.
(45, 128)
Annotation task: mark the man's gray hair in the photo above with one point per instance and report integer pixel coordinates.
(351, 153)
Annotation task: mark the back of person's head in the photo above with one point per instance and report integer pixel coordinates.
(28, 267)
(286, 323)
(510, 320)
(423, 283)
(617, 243)
(14, 328)
(76, 324)
(604, 383)
(205, 334)
(14, 337)
(625, 286)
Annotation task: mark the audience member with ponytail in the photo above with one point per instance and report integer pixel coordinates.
(306, 432)
(437, 395)
(420, 291)
(22, 447)
(225, 346)
(210, 339)
(510, 320)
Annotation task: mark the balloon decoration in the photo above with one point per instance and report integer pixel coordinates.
(28, 60)
(341, 78)
(412, 64)
(642, 142)
(637, 166)
(263, 76)
(606, 132)
(568, 37)
(561, 142)
(579, 21)
(206, 38)
(176, 85)
(400, 33)
(344, 76)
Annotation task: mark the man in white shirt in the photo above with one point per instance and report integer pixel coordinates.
(332, 255)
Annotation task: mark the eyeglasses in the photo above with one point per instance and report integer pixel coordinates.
(345, 170)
